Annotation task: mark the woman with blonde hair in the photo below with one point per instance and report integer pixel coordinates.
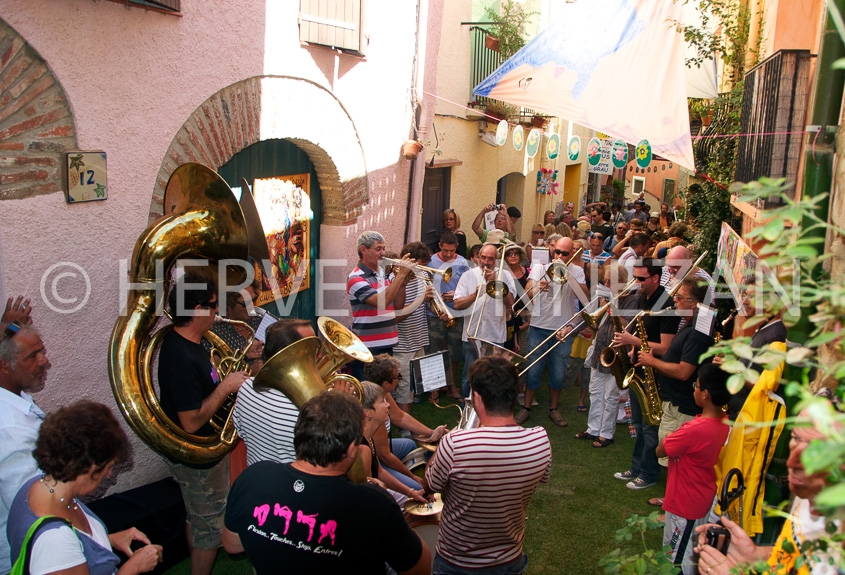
(538, 240)
(451, 222)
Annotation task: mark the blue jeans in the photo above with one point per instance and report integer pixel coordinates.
(400, 447)
(515, 567)
(644, 461)
(557, 359)
(470, 355)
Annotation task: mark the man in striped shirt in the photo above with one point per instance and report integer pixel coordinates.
(372, 297)
(487, 477)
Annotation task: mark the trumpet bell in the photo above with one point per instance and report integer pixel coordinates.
(447, 275)
(497, 289)
(557, 273)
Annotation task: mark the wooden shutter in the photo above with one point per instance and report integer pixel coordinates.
(335, 23)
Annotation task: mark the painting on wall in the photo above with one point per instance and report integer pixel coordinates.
(284, 205)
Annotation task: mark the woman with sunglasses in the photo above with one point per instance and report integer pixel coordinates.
(538, 240)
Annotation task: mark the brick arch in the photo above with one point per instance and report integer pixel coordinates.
(276, 107)
(36, 121)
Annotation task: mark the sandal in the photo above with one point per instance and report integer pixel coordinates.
(433, 397)
(601, 442)
(585, 435)
(582, 409)
(656, 501)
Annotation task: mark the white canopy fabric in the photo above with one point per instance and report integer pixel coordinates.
(616, 66)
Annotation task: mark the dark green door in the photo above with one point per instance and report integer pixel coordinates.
(272, 159)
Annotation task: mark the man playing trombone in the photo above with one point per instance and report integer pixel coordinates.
(554, 305)
(487, 321)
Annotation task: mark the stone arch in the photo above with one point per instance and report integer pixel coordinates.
(258, 109)
(36, 121)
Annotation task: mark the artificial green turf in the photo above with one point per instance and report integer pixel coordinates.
(572, 520)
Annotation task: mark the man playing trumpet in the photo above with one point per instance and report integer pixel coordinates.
(552, 308)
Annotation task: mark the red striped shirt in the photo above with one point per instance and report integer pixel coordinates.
(487, 477)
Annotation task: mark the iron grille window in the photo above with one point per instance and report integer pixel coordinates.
(172, 6)
(337, 24)
(774, 108)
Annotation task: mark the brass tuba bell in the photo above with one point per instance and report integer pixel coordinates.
(202, 220)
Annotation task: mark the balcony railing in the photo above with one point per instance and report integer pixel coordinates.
(774, 108)
(483, 62)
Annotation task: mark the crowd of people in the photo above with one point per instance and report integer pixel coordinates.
(605, 299)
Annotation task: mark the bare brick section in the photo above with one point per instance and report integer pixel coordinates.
(231, 120)
(36, 123)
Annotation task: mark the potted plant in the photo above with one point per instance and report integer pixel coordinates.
(411, 149)
(492, 43)
(509, 27)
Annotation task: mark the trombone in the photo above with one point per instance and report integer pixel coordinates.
(557, 272)
(446, 274)
(496, 289)
(592, 319)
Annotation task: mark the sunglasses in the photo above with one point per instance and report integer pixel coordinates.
(560, 253)
(511, 254)
(12, 329)
(642, 279)
(212, 304)
(541, 233)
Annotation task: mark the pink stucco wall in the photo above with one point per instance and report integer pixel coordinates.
(132, 78)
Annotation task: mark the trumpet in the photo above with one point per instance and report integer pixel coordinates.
(419, 270)
(557, 272)
(437, 306)
(592, 319)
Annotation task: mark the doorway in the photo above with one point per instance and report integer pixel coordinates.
(435, 199)
(274, 159)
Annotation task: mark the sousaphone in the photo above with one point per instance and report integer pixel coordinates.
(202, 220)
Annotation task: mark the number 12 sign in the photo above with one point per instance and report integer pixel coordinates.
(85, 176)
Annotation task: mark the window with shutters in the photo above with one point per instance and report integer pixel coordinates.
(668, 190)
(339, 24)
(167, 6)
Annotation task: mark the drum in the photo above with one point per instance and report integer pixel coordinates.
(416, 458)
(428, 530)
(425, 520)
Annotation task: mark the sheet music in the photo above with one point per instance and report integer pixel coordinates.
(433, 372)
(490, 220)
(704, 320)
(540, 256)
(266, 321)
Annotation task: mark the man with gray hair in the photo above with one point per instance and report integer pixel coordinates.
(373, 298)
(23, 370)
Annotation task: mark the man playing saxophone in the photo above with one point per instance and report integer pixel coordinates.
(677, 370)
(659, 331)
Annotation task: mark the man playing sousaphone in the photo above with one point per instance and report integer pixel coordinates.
(551, 309)
(192, 391)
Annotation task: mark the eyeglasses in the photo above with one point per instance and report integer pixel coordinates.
(695, 385)
(560, 253)
(680, 297)
(398, 378)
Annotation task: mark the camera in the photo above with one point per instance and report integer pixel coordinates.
(719, 538)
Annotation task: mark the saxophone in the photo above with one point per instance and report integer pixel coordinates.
(616, 358)
(646, 386)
